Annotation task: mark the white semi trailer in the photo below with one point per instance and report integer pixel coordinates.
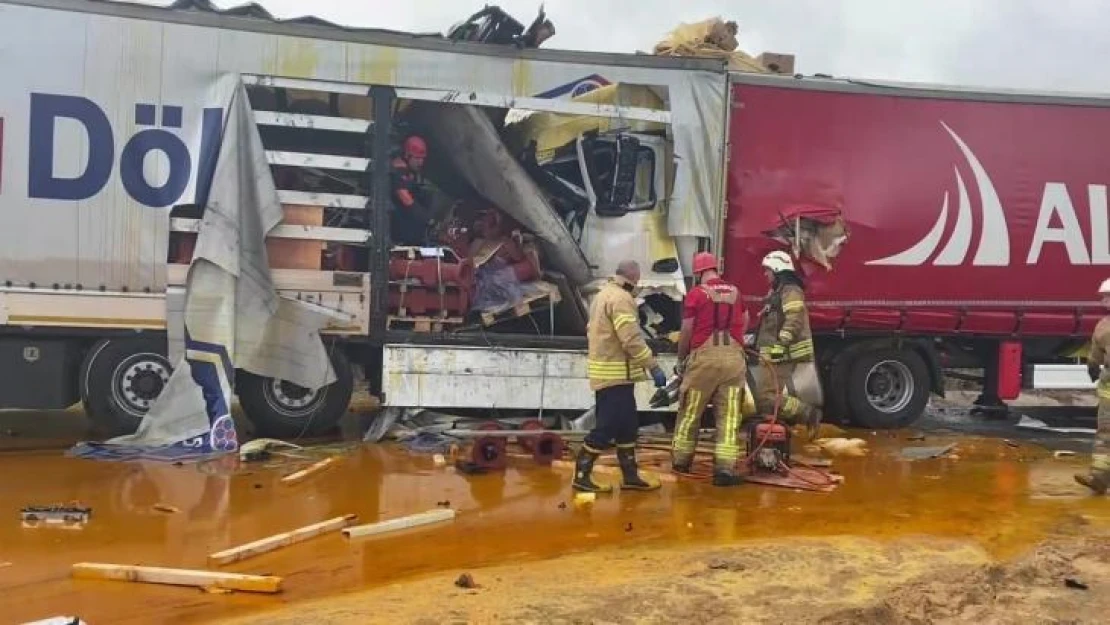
(109, 127)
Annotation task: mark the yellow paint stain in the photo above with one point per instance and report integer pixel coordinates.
(522, 78)
(298, 58)
(375, 65)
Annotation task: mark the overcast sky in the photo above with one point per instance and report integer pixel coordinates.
(1026, 44)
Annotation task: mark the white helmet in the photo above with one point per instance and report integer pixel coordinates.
(1105, 288)
(778, 261)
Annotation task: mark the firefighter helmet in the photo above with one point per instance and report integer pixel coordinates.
(415, 147)
(778, 261)
(704, 261)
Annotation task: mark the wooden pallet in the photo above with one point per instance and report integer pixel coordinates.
(549, 297)
(424, 324)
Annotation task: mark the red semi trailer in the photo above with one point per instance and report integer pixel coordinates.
(978, 220)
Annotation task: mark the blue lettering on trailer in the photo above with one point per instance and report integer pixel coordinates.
(42, 182)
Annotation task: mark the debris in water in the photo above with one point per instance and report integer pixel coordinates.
(466, 581)
(1062, 453)
(162, 507)
(628, 527)
(584, 498)
(923, 453)
(915, 437)
(842, 446)
(1010, 443)
(217, 590)
(1076, 584)
(258, 486)
(446, 503)
(562, 505)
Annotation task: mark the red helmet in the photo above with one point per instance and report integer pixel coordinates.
(415, 147)
(704, 261)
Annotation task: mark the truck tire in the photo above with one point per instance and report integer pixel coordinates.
(120, 379)
(280, 409)
(887, 388)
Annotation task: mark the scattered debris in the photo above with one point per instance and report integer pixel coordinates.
(466, 580)
(1010, 443)
(1063, 453)
(165, 507)
(925, 453)
(439, 460)
(298, 476)
(4, 565)
(424, 518)
(628, 527)
(264, 545)
(176, 577)
(469, 468)
(842, 446)
(58, 620)
(216, 590)
(1030, 423)
(584, 498)
(444, 504)
(62, 516)
(1071, 582)
(915, 437)
(562, 505)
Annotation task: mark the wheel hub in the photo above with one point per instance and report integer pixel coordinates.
(890, 386)
(291, 398)
(140, 379)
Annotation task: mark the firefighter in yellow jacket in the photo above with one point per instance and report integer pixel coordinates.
(618, 358)
(785, 340)
(711, 362)
(1098, 359)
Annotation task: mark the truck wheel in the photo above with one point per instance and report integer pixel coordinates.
(120, 379)
(280, 409)
(887, 388)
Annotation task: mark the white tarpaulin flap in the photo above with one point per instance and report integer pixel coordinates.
(233, 317)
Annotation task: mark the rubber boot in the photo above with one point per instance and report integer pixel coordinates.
(726, 479)
(626, 456)
(583, 468)
(1099, 483)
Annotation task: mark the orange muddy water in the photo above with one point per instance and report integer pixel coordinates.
(1000, 497)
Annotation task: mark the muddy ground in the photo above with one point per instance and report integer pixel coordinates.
(989, 533)
(840, 580)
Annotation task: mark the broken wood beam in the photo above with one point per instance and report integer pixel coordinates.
(304, 473)
(392, 525)
(176, 577)
(277, 541)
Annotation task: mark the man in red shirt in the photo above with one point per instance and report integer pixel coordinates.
(711, 362)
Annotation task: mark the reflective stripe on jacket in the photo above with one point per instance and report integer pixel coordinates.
(618, 353)
(785, 322)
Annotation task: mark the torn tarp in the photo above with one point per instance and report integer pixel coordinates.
(232, 316)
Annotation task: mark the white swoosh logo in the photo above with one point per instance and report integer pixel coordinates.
(994, 238)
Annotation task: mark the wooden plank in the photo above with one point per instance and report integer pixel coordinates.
(287, 231)
(294, 279)
(438, 515)
(327, 200)
(311, 122)
(176, 577)
(296, 253)
(299, 476)
(277, 541)
(323, 161)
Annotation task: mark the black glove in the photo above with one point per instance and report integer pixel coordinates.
(659, 377)
(1094, 371)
